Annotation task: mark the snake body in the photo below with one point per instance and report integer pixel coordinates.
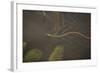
(66, 34)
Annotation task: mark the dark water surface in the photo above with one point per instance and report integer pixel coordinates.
(36, 25)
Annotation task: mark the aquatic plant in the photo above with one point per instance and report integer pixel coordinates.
(57, 53)
(32, 55)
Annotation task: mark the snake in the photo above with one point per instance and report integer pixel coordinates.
(66, 34)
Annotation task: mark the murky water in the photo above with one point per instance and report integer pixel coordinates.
(37, 24)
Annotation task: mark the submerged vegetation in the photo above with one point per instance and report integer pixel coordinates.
(57, 54)
(33, 55)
